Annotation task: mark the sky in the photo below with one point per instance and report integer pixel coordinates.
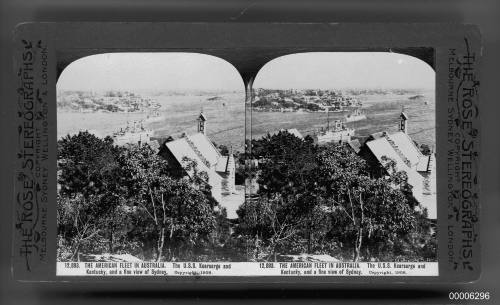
(150, 71)
(324, 70)
(188, 71)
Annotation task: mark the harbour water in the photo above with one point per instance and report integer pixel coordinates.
(226, 118)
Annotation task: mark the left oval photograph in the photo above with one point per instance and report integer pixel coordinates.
(150, 160)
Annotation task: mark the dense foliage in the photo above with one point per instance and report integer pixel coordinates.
(321, 200)
(124, 200)
(314, 200)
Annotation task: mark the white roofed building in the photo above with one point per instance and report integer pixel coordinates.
(400, 148)
(198, 148)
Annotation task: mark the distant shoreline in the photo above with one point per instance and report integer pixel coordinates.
(227, 119)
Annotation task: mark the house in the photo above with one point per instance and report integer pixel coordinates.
(400, 148)
(198, 147)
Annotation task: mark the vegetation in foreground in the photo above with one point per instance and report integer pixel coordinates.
(312, 199)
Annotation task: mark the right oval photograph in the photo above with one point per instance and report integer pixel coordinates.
(342, 156)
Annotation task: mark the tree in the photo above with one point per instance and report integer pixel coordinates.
(372, 210)
(178, 213)
(223, 150)
(325, 197)
(425, 149)
(399, 179)
(312, 107)
(288, 169)
(269, 227)
(287, 190)
(362, 208)
(88, 192)
(84, 160)
(285, 159)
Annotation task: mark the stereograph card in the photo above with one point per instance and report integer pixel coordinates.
(247, 152)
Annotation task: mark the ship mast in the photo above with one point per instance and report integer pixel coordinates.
(327, 119)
